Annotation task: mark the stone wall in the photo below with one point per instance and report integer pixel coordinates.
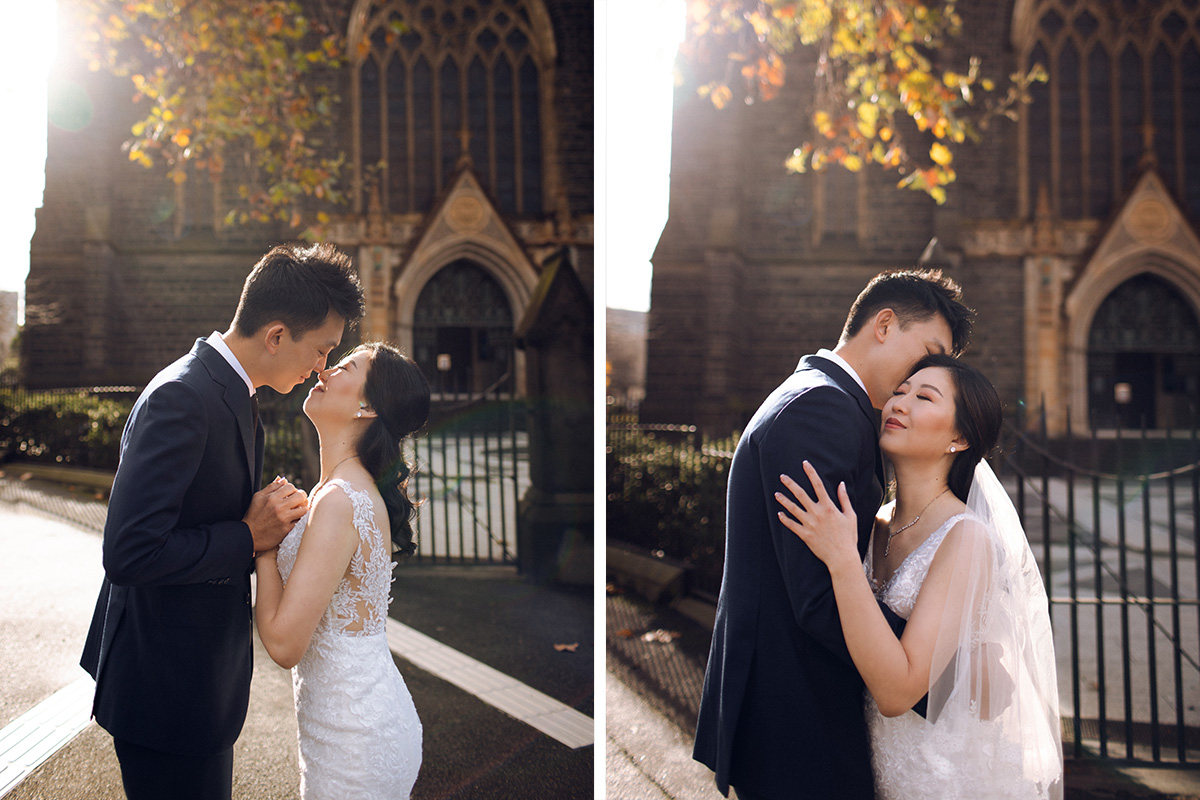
(746, 279)
(120, 285)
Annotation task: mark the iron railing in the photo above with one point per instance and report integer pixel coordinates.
(1116, 539)
(471, 463)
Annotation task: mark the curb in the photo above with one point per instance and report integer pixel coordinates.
(78, 476)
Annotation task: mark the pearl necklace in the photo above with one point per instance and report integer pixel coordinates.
(887, 547)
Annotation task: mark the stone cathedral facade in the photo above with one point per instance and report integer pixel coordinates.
(469, 153)
(1073, 230)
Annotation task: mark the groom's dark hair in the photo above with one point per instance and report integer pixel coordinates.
(914, 295)
(299, 285)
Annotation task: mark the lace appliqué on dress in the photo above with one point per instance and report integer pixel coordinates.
(953, 759)
(359, 733)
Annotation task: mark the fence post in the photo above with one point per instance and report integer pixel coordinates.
(1074, 591)
(1151, 649)
(1098, 576)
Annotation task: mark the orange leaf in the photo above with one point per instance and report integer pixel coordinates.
(569, 648)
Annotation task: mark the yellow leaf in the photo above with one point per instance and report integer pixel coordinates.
(181, 138)
(852, 163)
(885, 133)
(938, 194)
(868, 116)
(940, 154)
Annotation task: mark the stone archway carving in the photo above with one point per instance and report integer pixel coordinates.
(1150, 236)
(464, 227)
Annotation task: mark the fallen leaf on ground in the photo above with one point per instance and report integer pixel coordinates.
(625, 633)
(665, 637)
(570, 648)
(25, 476)
(613, 590)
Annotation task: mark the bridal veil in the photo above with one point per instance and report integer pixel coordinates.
(993, 694)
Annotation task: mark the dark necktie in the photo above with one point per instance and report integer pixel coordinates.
(254, 408)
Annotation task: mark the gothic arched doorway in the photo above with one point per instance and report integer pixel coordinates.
(1143, 357)
(463, 331)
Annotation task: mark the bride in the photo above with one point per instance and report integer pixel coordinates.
(976, 658)
(323, 594)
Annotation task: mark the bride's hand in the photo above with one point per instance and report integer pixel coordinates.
(830, 532)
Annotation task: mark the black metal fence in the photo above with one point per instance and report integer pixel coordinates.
(1116, 540)
(472, 468)
(472, 461)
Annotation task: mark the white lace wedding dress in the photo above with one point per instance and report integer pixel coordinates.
(962, 752)
(359, 732)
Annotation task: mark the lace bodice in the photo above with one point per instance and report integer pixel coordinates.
(359, 606)
(899, 592)
(959, 756)
(359, 733)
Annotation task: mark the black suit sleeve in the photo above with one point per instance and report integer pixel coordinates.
(162, 452)
(820, 427)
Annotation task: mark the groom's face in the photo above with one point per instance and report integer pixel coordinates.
(908, 344)
(296, 359)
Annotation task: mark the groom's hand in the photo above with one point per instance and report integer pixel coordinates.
(272, 513)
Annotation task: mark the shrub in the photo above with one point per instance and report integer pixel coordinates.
(666, 494)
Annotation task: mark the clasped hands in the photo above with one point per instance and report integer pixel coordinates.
(830, 532)
(272, 513)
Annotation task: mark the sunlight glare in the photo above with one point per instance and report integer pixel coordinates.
(25, 63)
(635, 140)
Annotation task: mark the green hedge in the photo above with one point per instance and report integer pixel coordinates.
(71, 427)
(666, 493)
(83, 427)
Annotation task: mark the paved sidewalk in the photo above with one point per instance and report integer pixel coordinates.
(655, 671)
(50, 573)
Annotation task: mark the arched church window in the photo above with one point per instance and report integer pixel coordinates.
(440, 81)
(1123, 93)
(462, 331)
(1144, 357)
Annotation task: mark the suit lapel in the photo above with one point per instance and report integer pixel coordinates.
(237, 399)
(851, 387)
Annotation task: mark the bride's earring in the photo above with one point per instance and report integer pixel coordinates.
(952, 448)
(361, 406)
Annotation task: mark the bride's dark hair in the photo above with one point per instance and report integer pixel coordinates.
(396, 389)
(978, 415)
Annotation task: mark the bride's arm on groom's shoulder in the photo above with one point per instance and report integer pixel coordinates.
(286, 616)
(895, 670)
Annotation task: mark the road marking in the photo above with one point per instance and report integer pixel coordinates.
(555, 719)
(30, 739)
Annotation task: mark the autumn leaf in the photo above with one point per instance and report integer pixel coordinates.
(625, 633)
(567, 648)
(940, 154)
(875, 64)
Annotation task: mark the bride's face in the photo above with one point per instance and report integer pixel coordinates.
(918, 420)
(339, 390)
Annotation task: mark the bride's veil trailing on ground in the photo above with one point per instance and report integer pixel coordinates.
(992, 679)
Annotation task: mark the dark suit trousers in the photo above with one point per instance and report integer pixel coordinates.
(748, 795)
(154, 775)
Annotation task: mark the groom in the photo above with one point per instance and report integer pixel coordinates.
(170, 641)
(781, 715)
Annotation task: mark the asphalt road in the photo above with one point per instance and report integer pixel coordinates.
(50, 573)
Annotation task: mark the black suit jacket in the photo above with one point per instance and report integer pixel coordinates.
(169, 645)
(781, 713)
